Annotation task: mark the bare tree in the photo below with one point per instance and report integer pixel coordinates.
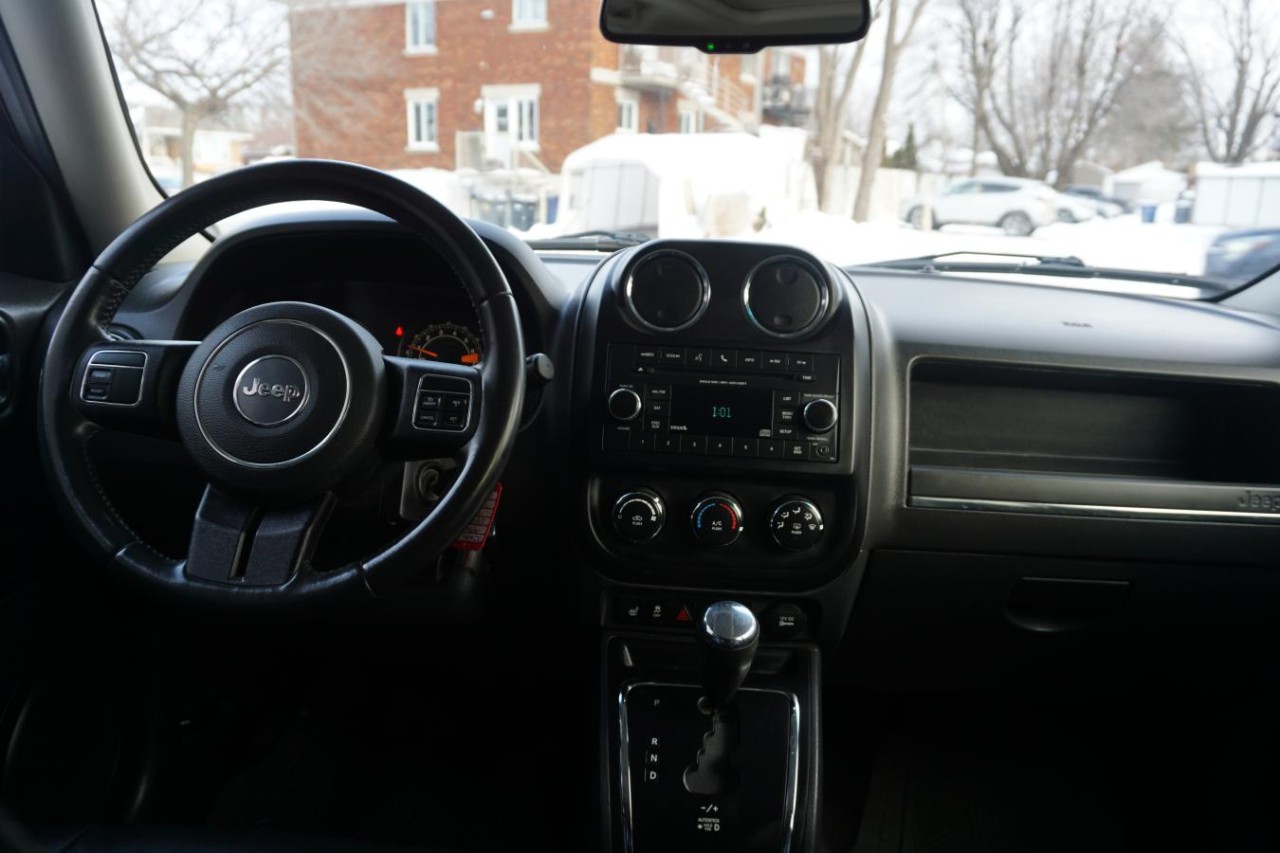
(899, 27)
(202, 56)
(1230, 106)
(837, 72)
(1039, 87)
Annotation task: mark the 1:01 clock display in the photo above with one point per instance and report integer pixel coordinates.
(721, 411)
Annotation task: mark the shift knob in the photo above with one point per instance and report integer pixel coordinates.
(727, 639)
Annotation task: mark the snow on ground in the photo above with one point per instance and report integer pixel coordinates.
(1124, 242)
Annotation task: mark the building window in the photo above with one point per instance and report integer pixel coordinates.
(689, 119)
(422, 109)
(510, 120)
(420, 26)
(751, 65)
(782, 63)
(527, 121)
(528, 14)
(628, 114)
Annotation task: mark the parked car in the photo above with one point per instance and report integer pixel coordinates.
(1017, 206)
(1243, 255)
(1076, 209)
(1106, 205)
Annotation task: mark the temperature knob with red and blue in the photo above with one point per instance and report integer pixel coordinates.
(716, 520)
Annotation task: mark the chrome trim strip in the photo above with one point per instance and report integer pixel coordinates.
(342, 416)
(824, 302)
(84, 381)
(789, 802)
(1092, 511)
(702, 276)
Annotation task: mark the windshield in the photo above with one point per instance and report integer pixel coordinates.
(1129, 135)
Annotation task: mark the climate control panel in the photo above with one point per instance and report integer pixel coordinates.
(717, 520)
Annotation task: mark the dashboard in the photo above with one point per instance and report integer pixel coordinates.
(874, 459)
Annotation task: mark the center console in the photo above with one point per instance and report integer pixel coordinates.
(720, 434)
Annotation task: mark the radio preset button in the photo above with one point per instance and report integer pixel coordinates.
(746, 447)
(644, 442)
(669, 443)
(718, 445)
(693, 445)
(772, 448)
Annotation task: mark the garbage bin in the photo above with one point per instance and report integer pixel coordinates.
(1182, 213)
(1148, 213)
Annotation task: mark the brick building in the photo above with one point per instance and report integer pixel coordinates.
(507, 83)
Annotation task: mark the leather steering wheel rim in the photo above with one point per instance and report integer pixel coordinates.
(64, 430)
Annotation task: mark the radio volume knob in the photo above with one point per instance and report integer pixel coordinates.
(624, 405)
(819, 415)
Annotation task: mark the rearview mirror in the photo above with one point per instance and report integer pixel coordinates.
(734, 26)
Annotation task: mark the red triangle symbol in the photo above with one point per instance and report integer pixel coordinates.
(683, 615)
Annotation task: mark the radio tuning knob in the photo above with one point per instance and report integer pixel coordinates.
(819, 415)
(624, 405)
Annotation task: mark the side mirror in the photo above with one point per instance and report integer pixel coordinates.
(734, 26)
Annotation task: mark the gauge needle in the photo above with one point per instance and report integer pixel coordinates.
(421, 350)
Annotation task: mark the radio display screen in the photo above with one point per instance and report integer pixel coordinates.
(711, 410)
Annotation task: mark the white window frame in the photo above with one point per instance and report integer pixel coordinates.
(523, 21)
(523, 105)
(628, 107)
(687, 111)
(755, 60)
(411, 46)
(428, 99)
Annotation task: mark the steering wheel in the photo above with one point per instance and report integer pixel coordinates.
(279, 406)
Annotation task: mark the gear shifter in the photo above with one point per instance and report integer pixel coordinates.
(728, 636)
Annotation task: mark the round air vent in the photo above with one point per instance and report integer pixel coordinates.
(786, 296)
(667, 291)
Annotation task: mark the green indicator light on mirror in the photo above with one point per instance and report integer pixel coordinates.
(711, 46)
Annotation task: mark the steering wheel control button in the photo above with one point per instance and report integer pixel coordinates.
(667, 291)
(443, 404)
(819, 415)
(639, 516)
(796, 524)
(625, 405)
(114, 378)
(270, 390)
(786, 297)
(716, 520)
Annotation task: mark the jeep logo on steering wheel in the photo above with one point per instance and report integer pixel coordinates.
(270, 390)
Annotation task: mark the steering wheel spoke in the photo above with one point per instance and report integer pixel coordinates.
(131, 385)
(235, 541)
(433, 408)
